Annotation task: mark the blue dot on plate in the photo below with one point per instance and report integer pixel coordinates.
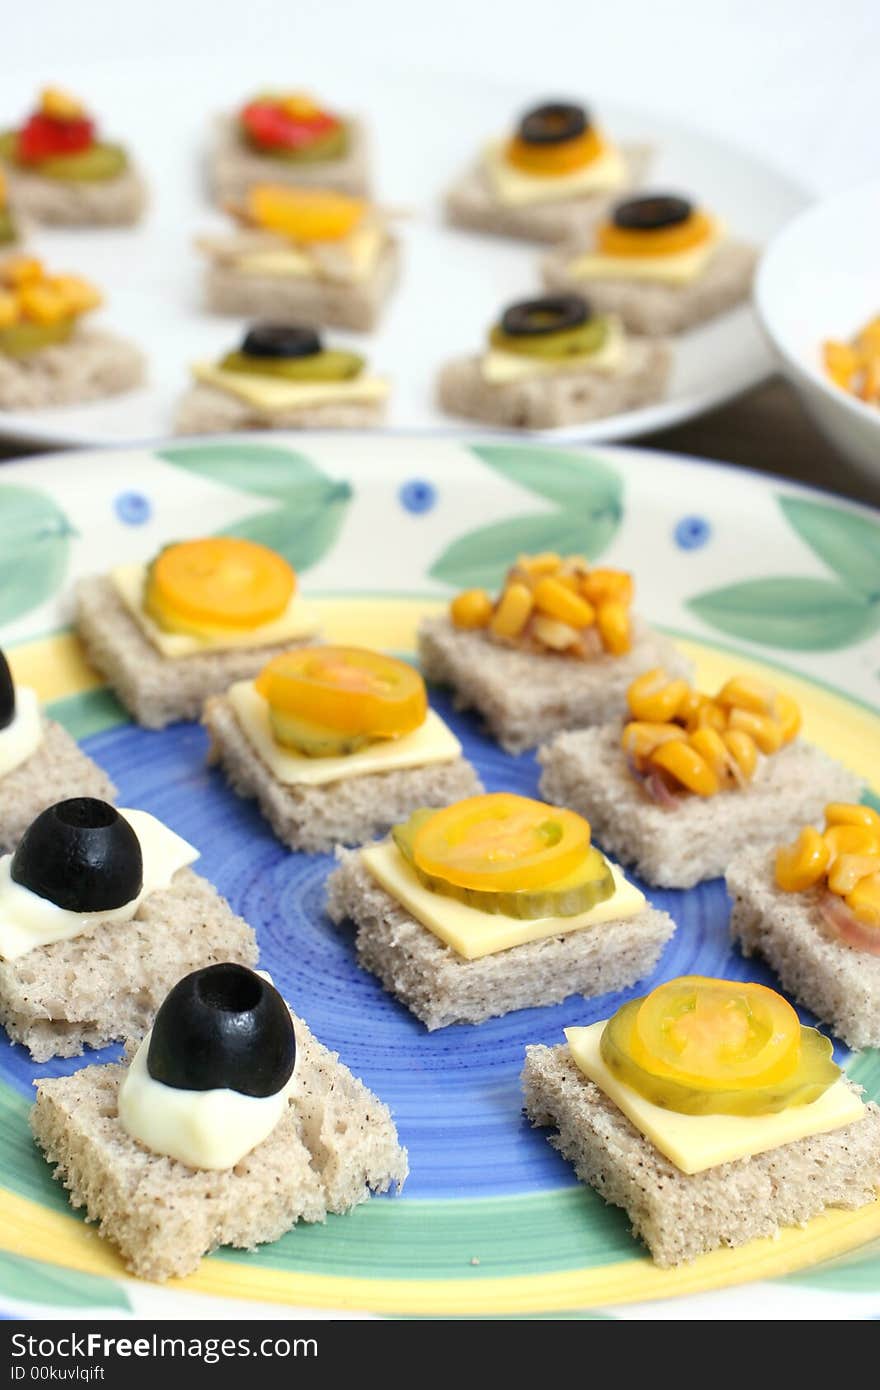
(133, 508)
(417, 496)
(692, 532)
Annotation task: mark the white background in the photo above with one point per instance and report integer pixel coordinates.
(796, 80)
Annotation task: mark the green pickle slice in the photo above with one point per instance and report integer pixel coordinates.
(314, 740)
(591, 883)
(93, 165)
(8, 230)
(328, 365)
(815, 1072)
(582, 341)
(21, 339)
(333, 145)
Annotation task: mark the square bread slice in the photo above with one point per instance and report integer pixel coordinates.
(208, 410)
(234, 168)
(155, 689)
(90, 366)
(839, 984)
(335, 1144)
(107, 984)
(570, 397)
(119, 202)
(303, 299)
(526, 697)
(680, 1215)
(587, 771)
(55, 771)
(659, 310)
(440, 987)
(471, 203)
(347, 812)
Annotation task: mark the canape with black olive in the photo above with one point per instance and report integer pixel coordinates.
(282, 377)
(229, 1124)
(554, 361)
(99, 914)
(63, 173)
(548, 179)
(287, 137)
(39, 761)
(302, 255)
(661, 262)
(47, 356)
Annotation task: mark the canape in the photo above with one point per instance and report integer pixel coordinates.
(307, 255)
(660, 262)
(62, 173)
(287, 137)
(228, 1125)
(282, 377)
(336, 744)
(557, 650)
(709, 1114)
(551, 362)
(201, 615)
(99, 914)
(39, 762)
(690, 780)
(493, 904)
(548, 180)
(47, 357)
(812, 910)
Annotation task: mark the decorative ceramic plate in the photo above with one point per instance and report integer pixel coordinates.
(425, 129)
(746, 572)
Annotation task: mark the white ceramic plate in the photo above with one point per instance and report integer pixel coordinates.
(820, 279)
(425, 130)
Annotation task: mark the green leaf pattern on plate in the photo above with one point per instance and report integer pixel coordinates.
(800, 612)
(32, 1281)
(587, 498)
(311, 507)
(35, 540)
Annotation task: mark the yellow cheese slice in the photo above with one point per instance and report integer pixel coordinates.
(298, 621)
(473, 934)
(697, 1142)
(517, 188)
(433, 742)
(500, 367)
(678, 269)
(355, 257)
(276, 394)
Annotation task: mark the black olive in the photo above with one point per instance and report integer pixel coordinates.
(532, 318)
(553, 123)
(7, 694)
(280, 340)
(651, 212)
(224, 1026)
(82, 855)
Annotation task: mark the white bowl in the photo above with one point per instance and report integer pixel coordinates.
(820, 278)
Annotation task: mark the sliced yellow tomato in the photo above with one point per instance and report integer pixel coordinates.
(347, 689)
(500, 841)
(662, 241)
(305, 214)
(562, 158)
(219, 583)
(716, 1034)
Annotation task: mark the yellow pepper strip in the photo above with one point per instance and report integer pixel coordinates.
(557, 601)
(640, 739)
(800, 866)
(851, 813)
(761, 727)
(60, 105)
(711, 746)
(612, 620)
(848, 869)
(851, 839)
(788, 716)
(21, 270)
(604, 585)
(8, 309)
(855, 366)
(656, 698)
(547, 562)
(513, 611)
(743, 750)
(864, 900)
(743, 692)
(687, 766)
(554, 634)
(41, 304)
(472, 608)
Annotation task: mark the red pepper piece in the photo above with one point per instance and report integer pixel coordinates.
(44, 137)
(271, 126)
